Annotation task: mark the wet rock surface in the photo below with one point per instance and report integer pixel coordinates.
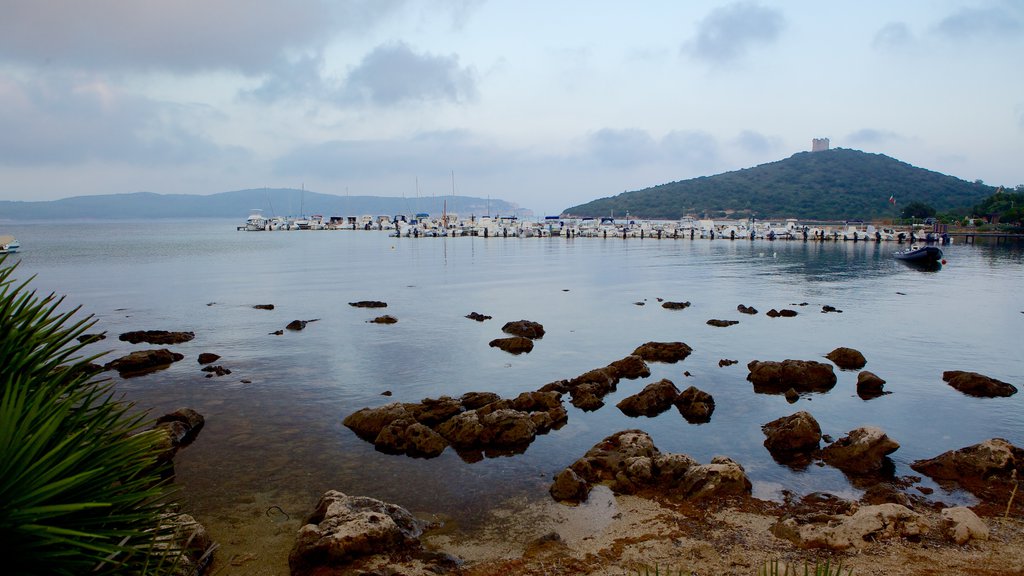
(847, 358)
(629, 463)
(971, 466)
(477, 316)
(513, 345)
(863, 451)
(743, 309)
(654, 399)
(143, 362)
(675, 305)
(784, 313)
(385, 319)
(524, 328)
(158, 337)
(477, 421)
(979, 385)
(368, 304)
(668, 352)
(801, 375)
(696, 406)
(208, 358)
(792, 438)
(263, 306)
(870, 385)
(722, 323)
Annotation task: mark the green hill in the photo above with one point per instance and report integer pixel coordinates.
(836, 184)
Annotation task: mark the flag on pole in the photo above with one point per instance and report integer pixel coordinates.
(892, 199)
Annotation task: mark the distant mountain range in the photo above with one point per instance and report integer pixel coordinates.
(238, 204)
(836, 184)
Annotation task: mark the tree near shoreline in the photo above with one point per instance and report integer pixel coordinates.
(80, 490)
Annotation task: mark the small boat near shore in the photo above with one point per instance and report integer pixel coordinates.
(8, 244)
(919, 254)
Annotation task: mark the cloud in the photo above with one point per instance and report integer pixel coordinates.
(83, 119)
(756, 143)
(728, 32)
(182, 36)
(297, 78)
(393, 74)
(872, 136)
(892, 35)
(990, 22)
(621, 149)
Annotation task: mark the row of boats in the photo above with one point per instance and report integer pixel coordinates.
(426, 226)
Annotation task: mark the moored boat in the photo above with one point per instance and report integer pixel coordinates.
(8, 244)
(920, 254)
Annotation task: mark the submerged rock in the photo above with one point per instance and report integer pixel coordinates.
(513, 345)
(785, 313)
(143, 362)
(722, 323)
(869, 385)
(746, 309)
(385, 319)
(675, 305)
(264, 306)
(208, 358)
(368, 304)
(478, 317)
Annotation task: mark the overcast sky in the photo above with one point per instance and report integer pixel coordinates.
(545, 104)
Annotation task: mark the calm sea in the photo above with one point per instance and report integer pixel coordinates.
(278, 440)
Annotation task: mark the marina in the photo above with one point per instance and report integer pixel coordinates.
(451, 225)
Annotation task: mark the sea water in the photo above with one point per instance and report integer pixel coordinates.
(274, 433)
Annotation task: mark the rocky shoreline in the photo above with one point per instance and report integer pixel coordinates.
(660, 509)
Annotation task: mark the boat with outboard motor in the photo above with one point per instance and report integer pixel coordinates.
(8, 244)
(919, 254)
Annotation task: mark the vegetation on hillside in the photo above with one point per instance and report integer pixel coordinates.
(835, 184)
(79, 489)
(1007, 206)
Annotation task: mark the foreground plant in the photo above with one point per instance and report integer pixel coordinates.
(772, 568)
(79, 489)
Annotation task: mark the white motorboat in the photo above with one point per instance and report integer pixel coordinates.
(8, 244)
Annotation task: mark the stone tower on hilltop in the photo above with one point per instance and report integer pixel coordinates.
(819, 144)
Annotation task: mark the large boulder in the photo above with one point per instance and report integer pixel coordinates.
(654, 399)
(143, 362)
(992, 458)
(631, 367)
(789, 435)
(869, 385)
(722, 477)
(629, 462)
(157, 337)
(974, 384)
(407, 436)
(342, 529)
(513, 345)
(670, 352)
(867, 525)
(862, 451)
(524, 328)
(695, 405)
(961, 524)
(847, 358)
(801, 375)
(368, 422)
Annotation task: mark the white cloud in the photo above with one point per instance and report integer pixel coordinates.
(394, 74)
(729, 32)
(990, 22)
(873, 137)
(83, 119)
